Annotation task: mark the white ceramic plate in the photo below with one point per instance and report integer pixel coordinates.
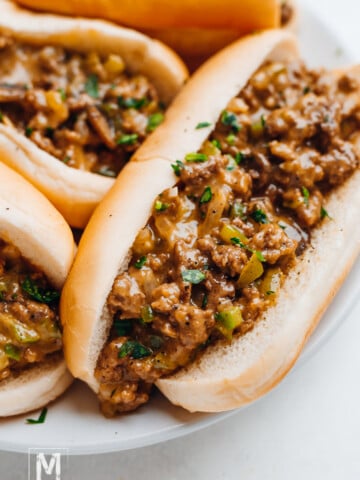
(74, 421)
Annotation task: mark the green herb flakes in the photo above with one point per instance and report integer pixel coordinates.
(41, 419)
(140, 262)
(259, 216)
(306, 195)
(177, 167)
(196, 157)
(129, 139)
(230, 120)
(206, 196)
(193, 276)
(39, 294)
(28, 131)
(160, 206)
(324, 213)
(202, 125)
(92, 86)
(123, 327)
(134, 349)
(135, 103)
(154, 121)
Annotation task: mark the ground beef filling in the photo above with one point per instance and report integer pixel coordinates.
(29, 322)
(215, 251)
(84, 109)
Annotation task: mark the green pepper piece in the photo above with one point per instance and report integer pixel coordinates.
(252, 270)
(228, 232)
(147, 314)
(12, 352)
(23, 333)
(270, 284)
(228, 319)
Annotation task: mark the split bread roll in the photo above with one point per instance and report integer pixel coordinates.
(194, 29)
(74, 191)
(29, 223)
(226, 375)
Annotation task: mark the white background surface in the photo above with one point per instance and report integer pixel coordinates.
(308, 428)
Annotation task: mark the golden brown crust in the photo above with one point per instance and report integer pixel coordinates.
(76, 193)
(31, 223)
(195, 45)
(244, 15)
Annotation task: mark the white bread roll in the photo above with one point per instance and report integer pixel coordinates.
(75, 193)
(29, 222)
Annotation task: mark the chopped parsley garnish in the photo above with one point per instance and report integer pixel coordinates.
(259, 216)
(231, 139)
(193, 276)
(1, 116)
(237, 241)
(206, 196)
(160, 206)
(263, 121)
(204, 301)
(306, 195)
(306, 90)
(239, 157)
(135, 103)
(28, 131)
(41, 418)
(140, 262)
(216, 143)
(260, 255)
(106, 171)
(324, 213)
(37, 293)
(230, 120)
(66, 159)
(49, 131)
(196, 157)
(129, 139)
(154, 121)
(92, 86)
(134, 349)
(203, 125)
(123, 327)
(12, 351)
(270, 292)
(62, 94)
(177, 166)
